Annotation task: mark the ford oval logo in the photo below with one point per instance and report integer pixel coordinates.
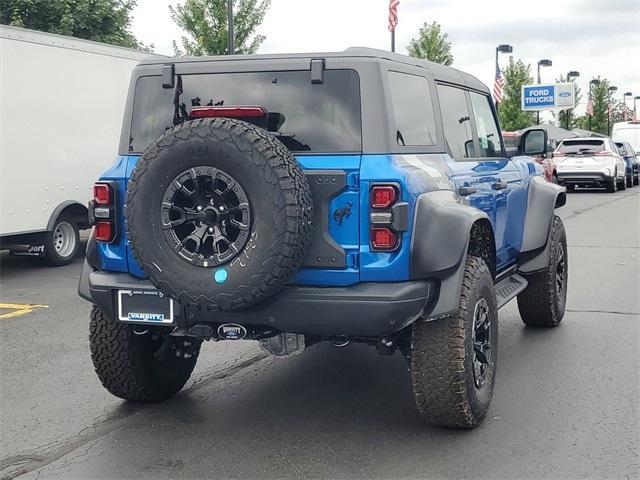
(231, 331)
(564, 94)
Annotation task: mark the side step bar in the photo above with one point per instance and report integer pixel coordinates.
(508, 288)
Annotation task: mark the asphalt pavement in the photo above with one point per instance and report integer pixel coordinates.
(566, 403)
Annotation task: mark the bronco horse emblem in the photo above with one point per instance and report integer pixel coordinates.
(342, 213)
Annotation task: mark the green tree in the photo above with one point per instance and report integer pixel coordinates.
(600, 98)
(431, 44)
(107, 21)
(569, 114)
(512, 117)
(205, 22)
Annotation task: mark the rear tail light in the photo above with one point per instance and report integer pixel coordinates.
(387, 217)
(603, 153)
(228, 112)
(105, 231)
(383, 238)
(102, 211)
(383, 196)
(102, 194)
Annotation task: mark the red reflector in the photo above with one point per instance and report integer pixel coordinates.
(104, 231)
(102, 194)
(383, 196)
(228, 112)
(383, 238)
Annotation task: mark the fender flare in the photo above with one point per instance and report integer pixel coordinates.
(60, 208)
(543, 198)
(439, 244)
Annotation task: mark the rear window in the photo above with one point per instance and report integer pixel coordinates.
(307, 117)
(580, 147)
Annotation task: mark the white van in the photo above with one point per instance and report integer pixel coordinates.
(61, 107)
(627, 132)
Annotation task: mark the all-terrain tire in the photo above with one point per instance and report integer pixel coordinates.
(442, 354)
(277, 194)
(62, 243)
(542, 303)
(126, 363)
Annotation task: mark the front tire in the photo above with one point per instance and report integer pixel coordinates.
(61, 244)
(542, 303)
(612, 185)
(629, 181)
(453, 360)
(622, 184)
(136, 367)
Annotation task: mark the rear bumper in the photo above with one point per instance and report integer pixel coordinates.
(584, 178)
(364, 309)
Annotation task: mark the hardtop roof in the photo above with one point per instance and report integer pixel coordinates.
(440, 72)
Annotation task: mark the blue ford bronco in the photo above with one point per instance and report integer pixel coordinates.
(361, 196)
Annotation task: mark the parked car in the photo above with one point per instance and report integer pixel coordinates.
(590, 162)
(627, 132)
(56, 135)
(632, 162)
(512, 142)
(361, 196)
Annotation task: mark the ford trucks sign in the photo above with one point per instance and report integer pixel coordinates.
(555, 96)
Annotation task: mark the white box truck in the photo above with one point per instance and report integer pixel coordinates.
(61, 107)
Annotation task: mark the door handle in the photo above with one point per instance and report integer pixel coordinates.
(464, 191)
(499, 185)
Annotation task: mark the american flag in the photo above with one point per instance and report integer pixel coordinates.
(498, 85)
(590, 107)
(393, 14)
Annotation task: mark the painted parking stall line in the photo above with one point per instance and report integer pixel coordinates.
(18, 309)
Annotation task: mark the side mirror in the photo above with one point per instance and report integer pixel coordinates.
(534, 142)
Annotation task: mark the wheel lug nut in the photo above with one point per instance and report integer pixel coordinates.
(210, 229)
(221, 209)
(199, 208)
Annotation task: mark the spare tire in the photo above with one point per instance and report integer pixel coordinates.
(219, 214)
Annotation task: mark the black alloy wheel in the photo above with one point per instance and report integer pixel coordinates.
(206, 216)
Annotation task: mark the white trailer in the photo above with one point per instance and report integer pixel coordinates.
(61, 106)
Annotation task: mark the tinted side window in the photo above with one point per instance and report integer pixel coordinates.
(488, 135)
(456, 122)
(415, 122)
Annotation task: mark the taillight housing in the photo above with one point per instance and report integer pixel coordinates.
(383, 239)
(105, 231)
(243, 111)
(388, 217)
(102, 194)
(102, 211)
(383, 196)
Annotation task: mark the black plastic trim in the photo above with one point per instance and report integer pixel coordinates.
(364, 309)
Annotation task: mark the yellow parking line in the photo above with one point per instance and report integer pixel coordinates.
(18, 309)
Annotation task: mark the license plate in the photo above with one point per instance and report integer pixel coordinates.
(144, 306)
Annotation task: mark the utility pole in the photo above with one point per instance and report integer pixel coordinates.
(230, 27)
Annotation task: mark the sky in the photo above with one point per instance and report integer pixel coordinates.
(596, 38)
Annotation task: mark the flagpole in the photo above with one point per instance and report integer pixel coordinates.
(231, 49)
(393, 40)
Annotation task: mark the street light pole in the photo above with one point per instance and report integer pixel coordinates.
(611, 90)
(541, 63)
(503, 48)
(570, 76)
(230, 26)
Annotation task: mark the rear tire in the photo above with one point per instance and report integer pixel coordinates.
(126, 364)
(622, 184)
(451, 385)
(629, 180)
(612, 185)
(636, 179)
(542, 303)
(61, 244)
